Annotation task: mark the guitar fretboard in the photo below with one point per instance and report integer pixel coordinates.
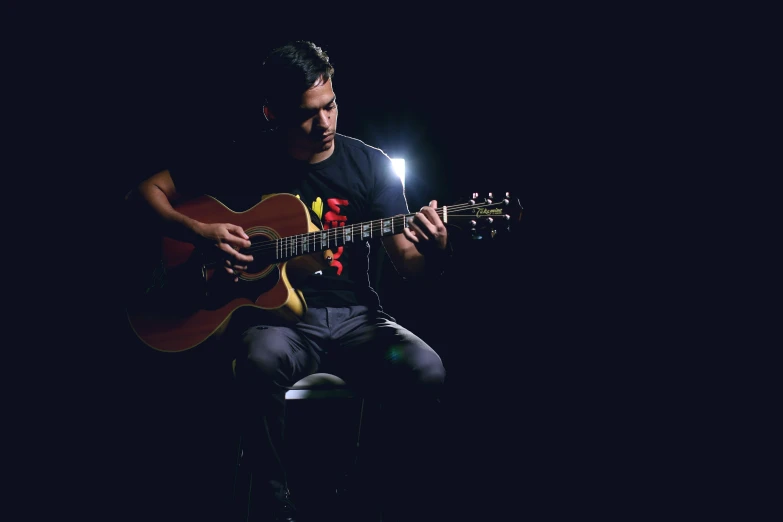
(311, 242)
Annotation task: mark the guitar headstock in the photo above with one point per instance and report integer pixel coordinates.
(484, 217)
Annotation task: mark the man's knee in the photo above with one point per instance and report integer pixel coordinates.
(432, 373)
(267, 351)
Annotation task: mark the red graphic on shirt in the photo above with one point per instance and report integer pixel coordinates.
(333, 219)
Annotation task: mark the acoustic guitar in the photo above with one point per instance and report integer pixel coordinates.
(191, 298)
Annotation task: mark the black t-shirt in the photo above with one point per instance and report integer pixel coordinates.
(354, 185)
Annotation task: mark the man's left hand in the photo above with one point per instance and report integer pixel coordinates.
(426, 230)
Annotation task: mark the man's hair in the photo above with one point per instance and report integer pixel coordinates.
(290, 70)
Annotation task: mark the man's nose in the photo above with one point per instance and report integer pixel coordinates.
(322, 120)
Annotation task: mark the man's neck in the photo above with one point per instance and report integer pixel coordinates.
(309, 156)
(321, 156)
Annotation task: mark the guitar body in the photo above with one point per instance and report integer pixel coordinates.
(199, 296)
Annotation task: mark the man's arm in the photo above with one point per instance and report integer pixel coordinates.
(158, 192)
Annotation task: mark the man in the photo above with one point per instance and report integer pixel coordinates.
(341, 181)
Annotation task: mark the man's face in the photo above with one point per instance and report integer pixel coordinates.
(312, 125)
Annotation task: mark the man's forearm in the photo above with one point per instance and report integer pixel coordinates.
(172, 223)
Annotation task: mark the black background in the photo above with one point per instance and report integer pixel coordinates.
(550, 335)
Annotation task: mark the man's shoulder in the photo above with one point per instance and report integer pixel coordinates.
(357, 146)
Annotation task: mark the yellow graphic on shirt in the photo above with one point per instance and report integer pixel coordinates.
(318, 207)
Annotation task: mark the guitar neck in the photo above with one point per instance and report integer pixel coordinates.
(275, 249)
(284, 248)
(293, 246)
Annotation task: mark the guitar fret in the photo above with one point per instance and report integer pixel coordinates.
(311, 242)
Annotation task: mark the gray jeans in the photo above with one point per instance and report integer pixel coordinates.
(367, 349)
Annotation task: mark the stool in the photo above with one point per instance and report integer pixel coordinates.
(317, 386)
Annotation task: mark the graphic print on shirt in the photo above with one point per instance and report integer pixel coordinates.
(318, 207)
(333, 219)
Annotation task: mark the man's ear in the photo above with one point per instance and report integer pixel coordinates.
(268, 115)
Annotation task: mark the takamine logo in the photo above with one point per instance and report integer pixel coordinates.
(488, 211)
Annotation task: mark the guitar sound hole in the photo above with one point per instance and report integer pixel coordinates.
(263, 254)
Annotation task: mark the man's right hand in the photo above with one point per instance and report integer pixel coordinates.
(229, 239)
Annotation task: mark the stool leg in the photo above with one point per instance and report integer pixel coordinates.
(359, 433)
(243, 485)
(358, 492)
(237, 464)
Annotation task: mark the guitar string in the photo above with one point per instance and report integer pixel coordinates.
(291, 243)
(375, 225)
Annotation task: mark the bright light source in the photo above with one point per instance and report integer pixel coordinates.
(399, 169)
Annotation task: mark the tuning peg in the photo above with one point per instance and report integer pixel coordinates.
(475, 195)
(490, 196)
(490, 220)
